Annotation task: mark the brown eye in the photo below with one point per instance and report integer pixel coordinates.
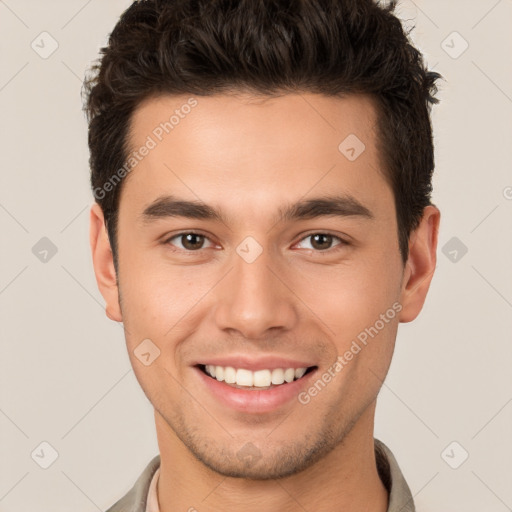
(322, 242)
(188, 241)
(192, 241)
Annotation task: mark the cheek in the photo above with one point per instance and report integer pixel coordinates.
(159, 299)
(359, 304)
(351, 297)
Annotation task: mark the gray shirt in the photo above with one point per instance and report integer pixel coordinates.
(400, 498)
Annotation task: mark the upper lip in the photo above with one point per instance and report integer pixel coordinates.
(254, 363)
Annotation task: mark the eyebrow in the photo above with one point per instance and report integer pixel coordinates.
(329, 206)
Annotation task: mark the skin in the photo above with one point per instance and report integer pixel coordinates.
(248, 157)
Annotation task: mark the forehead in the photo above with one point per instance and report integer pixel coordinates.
(249, 151)
(250, 119)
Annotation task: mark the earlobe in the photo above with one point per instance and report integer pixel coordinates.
(420, 265)
(103, 263)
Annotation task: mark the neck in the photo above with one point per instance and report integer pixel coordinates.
(347, 477)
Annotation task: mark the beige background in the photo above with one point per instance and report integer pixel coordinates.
(65, 377)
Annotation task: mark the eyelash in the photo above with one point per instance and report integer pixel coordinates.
(342, 243)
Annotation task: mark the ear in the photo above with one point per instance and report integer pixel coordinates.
(103, 263)
(420, 265)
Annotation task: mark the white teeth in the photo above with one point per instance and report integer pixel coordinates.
(257, 379)
(289, 374)
(262, 378)
(229, 375)
(299, 372)
(277, 376)
(244, 377)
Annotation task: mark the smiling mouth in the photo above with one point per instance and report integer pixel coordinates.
(259, 380)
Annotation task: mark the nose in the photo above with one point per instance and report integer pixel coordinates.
(255, 299)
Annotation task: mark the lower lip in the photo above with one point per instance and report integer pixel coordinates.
(255, 401)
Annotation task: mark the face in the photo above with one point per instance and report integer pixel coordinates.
(250, 243)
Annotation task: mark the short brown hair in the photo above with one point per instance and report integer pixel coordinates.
(269, 47)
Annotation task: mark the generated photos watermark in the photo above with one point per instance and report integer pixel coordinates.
(157, 135)
(305, 397)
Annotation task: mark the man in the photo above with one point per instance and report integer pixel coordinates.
(262, 174)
